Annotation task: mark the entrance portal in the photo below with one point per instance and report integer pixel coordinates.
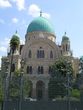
(40, 86)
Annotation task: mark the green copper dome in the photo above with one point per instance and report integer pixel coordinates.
(40, 24)
(65, 38)
(16, 34)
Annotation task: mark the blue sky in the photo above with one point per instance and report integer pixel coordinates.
(66, 15)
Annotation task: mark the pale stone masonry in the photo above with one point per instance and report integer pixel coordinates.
(39, 52)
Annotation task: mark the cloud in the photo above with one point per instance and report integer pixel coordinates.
(34, 11)
(2, 21)
(20, 4)
(5, 3)
(46, 15)
(15, 20)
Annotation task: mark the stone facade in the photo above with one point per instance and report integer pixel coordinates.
(39, 52)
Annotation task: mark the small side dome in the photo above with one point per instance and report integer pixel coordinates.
(16, 35)
(15, 40)
(65, 38)
(40, 24)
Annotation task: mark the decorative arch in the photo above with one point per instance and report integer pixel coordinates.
(51, 54)
(40, 89)
(30, 54)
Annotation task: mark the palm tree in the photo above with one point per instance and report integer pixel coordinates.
(14, 42)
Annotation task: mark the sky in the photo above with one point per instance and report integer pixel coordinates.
(65, 15)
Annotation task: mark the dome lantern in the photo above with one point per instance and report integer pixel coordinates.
(65, 38)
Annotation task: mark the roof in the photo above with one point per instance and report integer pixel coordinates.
(40, 24)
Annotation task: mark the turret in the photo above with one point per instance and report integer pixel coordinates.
(65, 44)
(14, 53)
(14, 44)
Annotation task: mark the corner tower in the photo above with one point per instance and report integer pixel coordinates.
(65, 44)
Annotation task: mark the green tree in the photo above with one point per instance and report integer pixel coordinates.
(81, 65)
(14, 86)
(27, 88)
(75, 93)
(79, 76)
(61, 67)
(58, 80)
(56, 88)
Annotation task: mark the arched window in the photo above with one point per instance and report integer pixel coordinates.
(40, 69)
(51, 54)
(50, 70)
(63, 48)
(29, 55)
(66, 47)
(37, 53)
(61, 52)
(29, 69)
(40, 54)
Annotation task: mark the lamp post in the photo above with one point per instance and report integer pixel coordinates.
(21, 84)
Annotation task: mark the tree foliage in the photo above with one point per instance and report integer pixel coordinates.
(27, 88)
(17, 84)
(14, 86)
(79, 77)
(58, 80)
(56, 89)
(81, 65)
(14, 42)
(61, 67)
(75, 93)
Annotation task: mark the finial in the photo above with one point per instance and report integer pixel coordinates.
(65, 33)
(40, 13)
(16, 32)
